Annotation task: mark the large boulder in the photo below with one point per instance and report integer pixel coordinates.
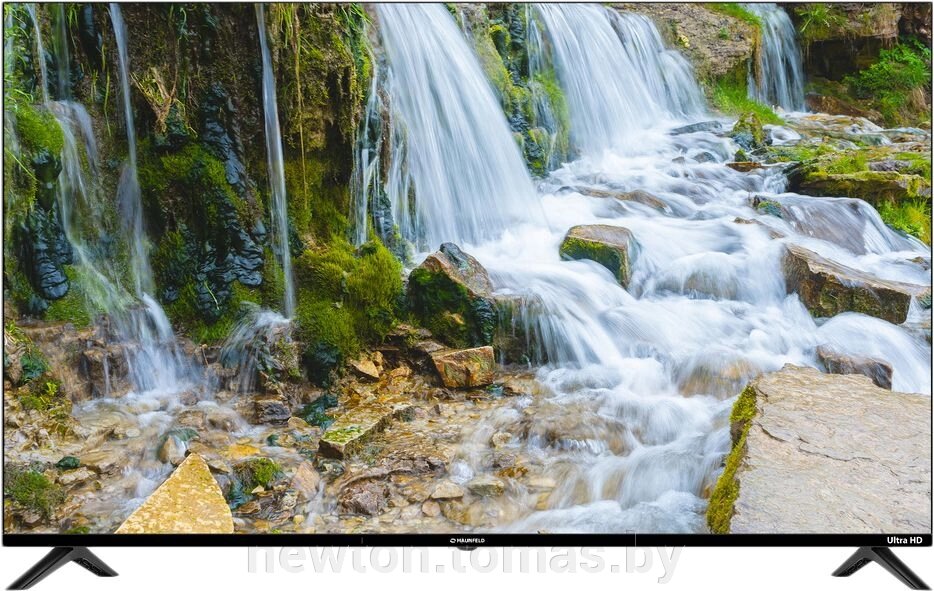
(610, 246)
(451, 294)
(818, 453)
(465, 368)
(189, 502)
(827, 288)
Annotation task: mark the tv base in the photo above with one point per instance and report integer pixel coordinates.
(885, 558)
(59, 557)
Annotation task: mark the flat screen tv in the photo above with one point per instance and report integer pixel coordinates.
(466, 274)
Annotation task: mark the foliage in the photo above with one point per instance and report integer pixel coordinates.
(73, 307)
(911, 216)
(33, 491)
(897, 82)
(730, 96)
(258, 472)
(819, 21)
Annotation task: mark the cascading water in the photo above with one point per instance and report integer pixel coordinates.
(276, 168)
(650, 83)
(460, 157)
(779, 79)
(641, 379)
(40, 52)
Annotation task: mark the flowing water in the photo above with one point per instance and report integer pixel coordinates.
(458, 147)
(276, 168)
(40, 52)
(779, 79)
(641, 380)
(649, 82)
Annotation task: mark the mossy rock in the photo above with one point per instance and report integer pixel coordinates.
(33, 491)
(610, 246)
(748, 131)
(726, 491)
(451, 295)
(257, 472)
(875, 187)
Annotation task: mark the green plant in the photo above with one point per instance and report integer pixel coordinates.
(257, 472)
(911, 216)
(894, 82)
(818, 21)
(33, 491)
(735, 10)
(730, 95)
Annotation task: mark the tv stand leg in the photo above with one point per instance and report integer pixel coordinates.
(885, 558)
(59, 557)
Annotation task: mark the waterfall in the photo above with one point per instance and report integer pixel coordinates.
(276, 167)
(128, 190)
(779, 79)
(62, 53)
(460, 159)
(40, 52)
(647, 82)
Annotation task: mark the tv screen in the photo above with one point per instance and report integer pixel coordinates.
(477, 272)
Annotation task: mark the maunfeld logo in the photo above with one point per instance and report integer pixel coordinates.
(468, 540)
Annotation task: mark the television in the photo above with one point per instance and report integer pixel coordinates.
(466, 274)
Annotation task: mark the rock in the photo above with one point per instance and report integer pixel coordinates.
(748, 132)
(239, 451)
(501, 439)
(74, 477)
(366, 368)
(877, 370)
(609, 246)
(351, 430)
(106, 371)
(712, 126)
(451, 295)
(637, 196)
(431, 508)
(271, 408)
(827, 288)
(487, 486)
(107, 460)
(447, 490)
(815, 453)
(306, 481)
(188, 502)
(875, 187)
(172, 451)
(465, 368)
(366, 497)
(821, 103)
(68, 463)
(744, 166)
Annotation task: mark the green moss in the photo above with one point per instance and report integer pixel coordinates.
(346, 298)
(37, 129)
(610, 257)
(193, 323)
(343, 435)
(448, 310)
(734, 10)
(258, 472)
(729, 95)
(73, 307)
(68, 463)
(33, 365)
(726, 491)
(33, 491)
(45, 397)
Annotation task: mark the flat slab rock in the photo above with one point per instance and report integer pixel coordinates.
(834, 454)
(347, 435)
(188, 502)
(465, 368)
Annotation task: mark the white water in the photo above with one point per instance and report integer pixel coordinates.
(642, 379)
(460, 157)
(780, 77)
(40, 52)
(648, 82)
(129, 198)
(276, 168)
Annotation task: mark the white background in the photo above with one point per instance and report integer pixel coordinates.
(225, 569)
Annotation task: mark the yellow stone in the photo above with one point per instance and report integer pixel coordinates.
(188, 502)
(238, 451)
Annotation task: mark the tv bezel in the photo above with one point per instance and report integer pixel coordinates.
(469, 539)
